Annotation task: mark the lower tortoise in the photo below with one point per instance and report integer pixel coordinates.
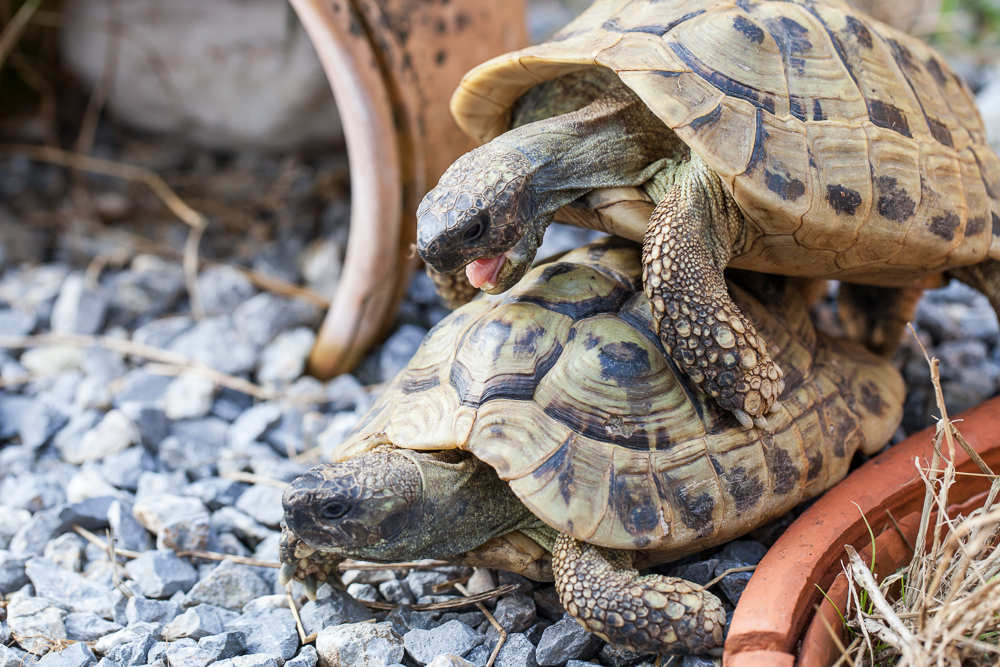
(797, 137)
(550, 420)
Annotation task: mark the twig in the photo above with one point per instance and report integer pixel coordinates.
(101, 544)
(489, 617)
(217, 377)
(251, 478)
(745, 568)
(11, 33)
(295, 612)
(899, 530)
(212, 555)
(446, 585)
(444, 604)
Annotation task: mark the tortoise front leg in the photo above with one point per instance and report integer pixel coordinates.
(454, 289)
(651, 614)
(687, 245)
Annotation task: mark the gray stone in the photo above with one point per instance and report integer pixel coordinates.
(259, 660)
(284, 358)
(187, 656)
(188, 397)
(517, 651)
(78, 309)
(404, 619)
(41, 421)
(219, 343)
(515, 613)
(262, 502)
(155, 511)
(15, 322)
(37, 621)
(159, 652)
(12, 411)
(747, 552)
(216, 492)
(86, 626)
(160, 333)
(337, 609)
(11, 657)
(566, 640)
(265, 315)
(619, 657)
(699, 573)
(204, 620)
(195, 456)
(66, 551)
(31, 492)
(267, 627)
(277, 468)
(395, 591)
(231, 520)
(307, 657)
(229, 585)
(224, 645)
(398, 349)
(534, 633)
(133, 653)
(223, 288)
(363, 592)
(160, 574)
(129, 533)
(12, 576)
(230, 404)
(359, 645)
(74, 655)
(422, 582)
(480, 655)
(524, 585)
(143, 610)
(150, 422)
(143, 388)
(124, 468)
(732, 585)
(698, 661)
(452, 637)
(78, 593)
(252, 424)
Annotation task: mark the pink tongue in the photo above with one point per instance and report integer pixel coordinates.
(484, 271)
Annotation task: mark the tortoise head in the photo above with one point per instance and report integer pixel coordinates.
(390, 505)
(481, 215)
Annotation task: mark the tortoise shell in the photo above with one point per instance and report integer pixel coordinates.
(563, 387)
(853, 150)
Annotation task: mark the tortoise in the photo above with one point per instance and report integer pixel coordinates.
(553, 416)
(797, 137)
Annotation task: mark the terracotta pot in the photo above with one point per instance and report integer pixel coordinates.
(393, 65)
(778, 605)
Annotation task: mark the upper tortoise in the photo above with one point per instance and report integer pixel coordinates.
(551, 419)
(797, 137)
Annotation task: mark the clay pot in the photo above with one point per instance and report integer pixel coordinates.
(393, 65)
(777, 609)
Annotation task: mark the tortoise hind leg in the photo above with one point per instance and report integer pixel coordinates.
(876, 317)
(651, 614)
(688, 244)
(454, 289)
(984, 276)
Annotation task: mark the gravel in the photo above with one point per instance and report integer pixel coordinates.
(98, 439)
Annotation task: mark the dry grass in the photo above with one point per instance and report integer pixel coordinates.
(948, 612)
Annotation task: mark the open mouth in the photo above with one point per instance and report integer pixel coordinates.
(485, 271)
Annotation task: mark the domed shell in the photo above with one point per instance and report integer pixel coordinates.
(563, 387)
(853, 149)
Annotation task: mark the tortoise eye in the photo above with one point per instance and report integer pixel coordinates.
(475, 231)
(334, 511)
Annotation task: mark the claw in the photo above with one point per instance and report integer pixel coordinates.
(287, 573)
(775, 407)
(310, 586)
(743, 418)
(760, 422)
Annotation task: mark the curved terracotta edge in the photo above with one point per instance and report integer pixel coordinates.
(364, 296)
(762, 659)
(779, 599)
(818, 647)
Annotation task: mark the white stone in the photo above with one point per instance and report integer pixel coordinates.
(284, 358)
(224, 74)
(321, 263)
(359, 645)
(159, 509)
(52, 359)
(88, 482)
(188, 397)
(113, 434)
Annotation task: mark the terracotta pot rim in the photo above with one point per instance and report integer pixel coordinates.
(781, 597)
